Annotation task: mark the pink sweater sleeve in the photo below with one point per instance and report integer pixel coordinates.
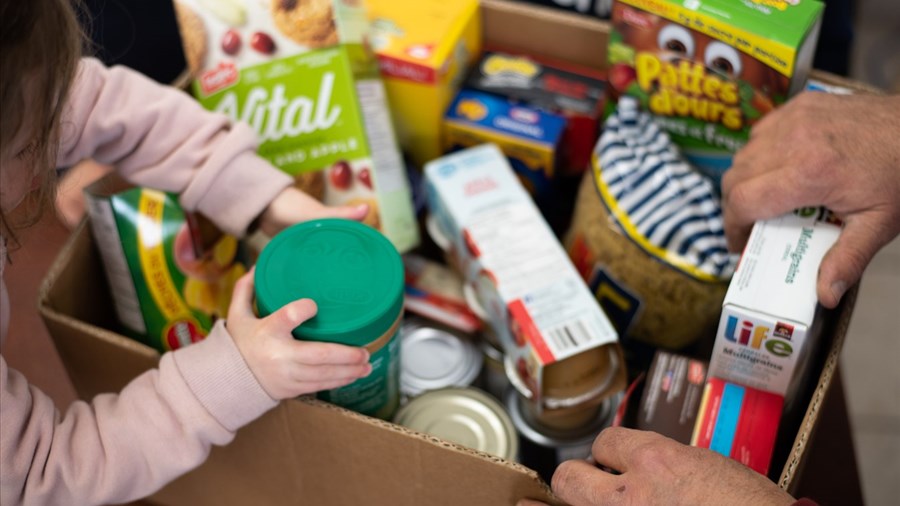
(125, 446)
(160, 137)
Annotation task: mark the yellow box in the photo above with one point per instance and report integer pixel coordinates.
(424, 48)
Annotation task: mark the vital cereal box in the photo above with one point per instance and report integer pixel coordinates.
(710, 69)
(302, 76)
(424, 48)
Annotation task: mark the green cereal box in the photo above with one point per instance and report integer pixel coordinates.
(301, 74)
(170, 273)
(710, 69)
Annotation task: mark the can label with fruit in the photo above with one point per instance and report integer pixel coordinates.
(300, 74)
(170, 278)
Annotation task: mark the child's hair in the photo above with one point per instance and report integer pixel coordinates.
(40, 45)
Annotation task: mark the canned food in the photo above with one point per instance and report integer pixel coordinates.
(543, 448)
(355, 276)
(434, 358)
(493, 374)
(466, 416)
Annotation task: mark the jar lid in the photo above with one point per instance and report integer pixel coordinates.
(433, 358)
(352, 272)
(466, 416)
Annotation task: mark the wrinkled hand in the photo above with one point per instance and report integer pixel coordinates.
(658, 470)
(294, 206)
(284, 366)
(839, 151)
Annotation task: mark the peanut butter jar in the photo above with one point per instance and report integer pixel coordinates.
(355, 276)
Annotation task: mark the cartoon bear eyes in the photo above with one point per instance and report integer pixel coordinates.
(676, 39)
(723, 58)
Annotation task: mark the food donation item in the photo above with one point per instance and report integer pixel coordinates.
(355, 277)
(435, 358)
(671, 397)
(532, 296)
(771, 319)
(424, 48)
(647, 235)
(435, 291)
(170, 272)
(709, 70)
(300, 74)
(739, 422)
(465, 416)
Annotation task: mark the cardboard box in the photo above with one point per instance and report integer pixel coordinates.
(424, 48)
(309, 450)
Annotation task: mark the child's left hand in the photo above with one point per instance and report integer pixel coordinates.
(293, 206)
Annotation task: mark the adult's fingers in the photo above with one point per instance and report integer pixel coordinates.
(581, 484)
(290, 316)
(616, 447)
(242, 298)
(316, 353)
(845, 262)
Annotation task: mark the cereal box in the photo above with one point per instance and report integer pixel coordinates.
(535, 300)
(170, 275)
(710, 69)
(424, 48)
(301, 75)
(770, 320)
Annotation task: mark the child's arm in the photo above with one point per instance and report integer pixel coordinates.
(160, 137)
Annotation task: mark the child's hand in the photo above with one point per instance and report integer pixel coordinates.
(284, 366)
(293, 206)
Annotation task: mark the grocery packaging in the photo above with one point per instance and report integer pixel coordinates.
(424, 48)
(435, 291)
(708, 70)
(671, 396)
(576, 93)
(171, 273)
(647, 235)
(528, 136)
(436, 357)
(355, 277)
(771, 322)
(535, 301)
(300, 74)
(739, 422)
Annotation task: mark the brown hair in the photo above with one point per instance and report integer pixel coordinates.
(40, 45)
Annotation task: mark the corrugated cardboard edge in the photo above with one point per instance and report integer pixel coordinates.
(797, 455)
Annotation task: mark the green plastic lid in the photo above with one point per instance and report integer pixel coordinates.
(352, 272)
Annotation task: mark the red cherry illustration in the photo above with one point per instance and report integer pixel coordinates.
(341, 175)
(231, 42)
(262, 42)
(365, 177)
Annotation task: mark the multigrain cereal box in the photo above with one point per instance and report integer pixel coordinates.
(710, 69)
(171, 273)
(771, 320)
(301, 75)
(534, 299)
(424, 48)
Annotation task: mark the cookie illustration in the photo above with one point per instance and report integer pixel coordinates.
(193, 36)
(306, 22)
(311, 183)
(372, 217)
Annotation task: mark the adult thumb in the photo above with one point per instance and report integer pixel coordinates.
(844, 263)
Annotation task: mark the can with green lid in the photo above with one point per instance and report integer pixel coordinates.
(355, 276)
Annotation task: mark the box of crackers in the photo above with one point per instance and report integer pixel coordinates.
(710, 69)
(301, 74)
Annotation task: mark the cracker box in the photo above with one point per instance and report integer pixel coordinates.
(528, 136)
(301, 76)
(424, 48)
(171, 274)
(671, 396)
(710, 69)
(535, 300)
(770, 322)
(575, 92)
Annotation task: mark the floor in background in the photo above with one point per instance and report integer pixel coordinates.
(872, 349)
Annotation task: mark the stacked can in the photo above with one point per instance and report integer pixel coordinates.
(435, 357)
(355, 276)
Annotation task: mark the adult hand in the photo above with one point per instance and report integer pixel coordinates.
(285, 367)
(819, 149)
(658, 470)
(294, 206)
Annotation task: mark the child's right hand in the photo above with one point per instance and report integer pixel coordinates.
(284, 366)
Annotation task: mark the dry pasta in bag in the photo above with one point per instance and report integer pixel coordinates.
(647, 235)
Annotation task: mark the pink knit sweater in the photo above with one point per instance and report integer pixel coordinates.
(127, 445)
